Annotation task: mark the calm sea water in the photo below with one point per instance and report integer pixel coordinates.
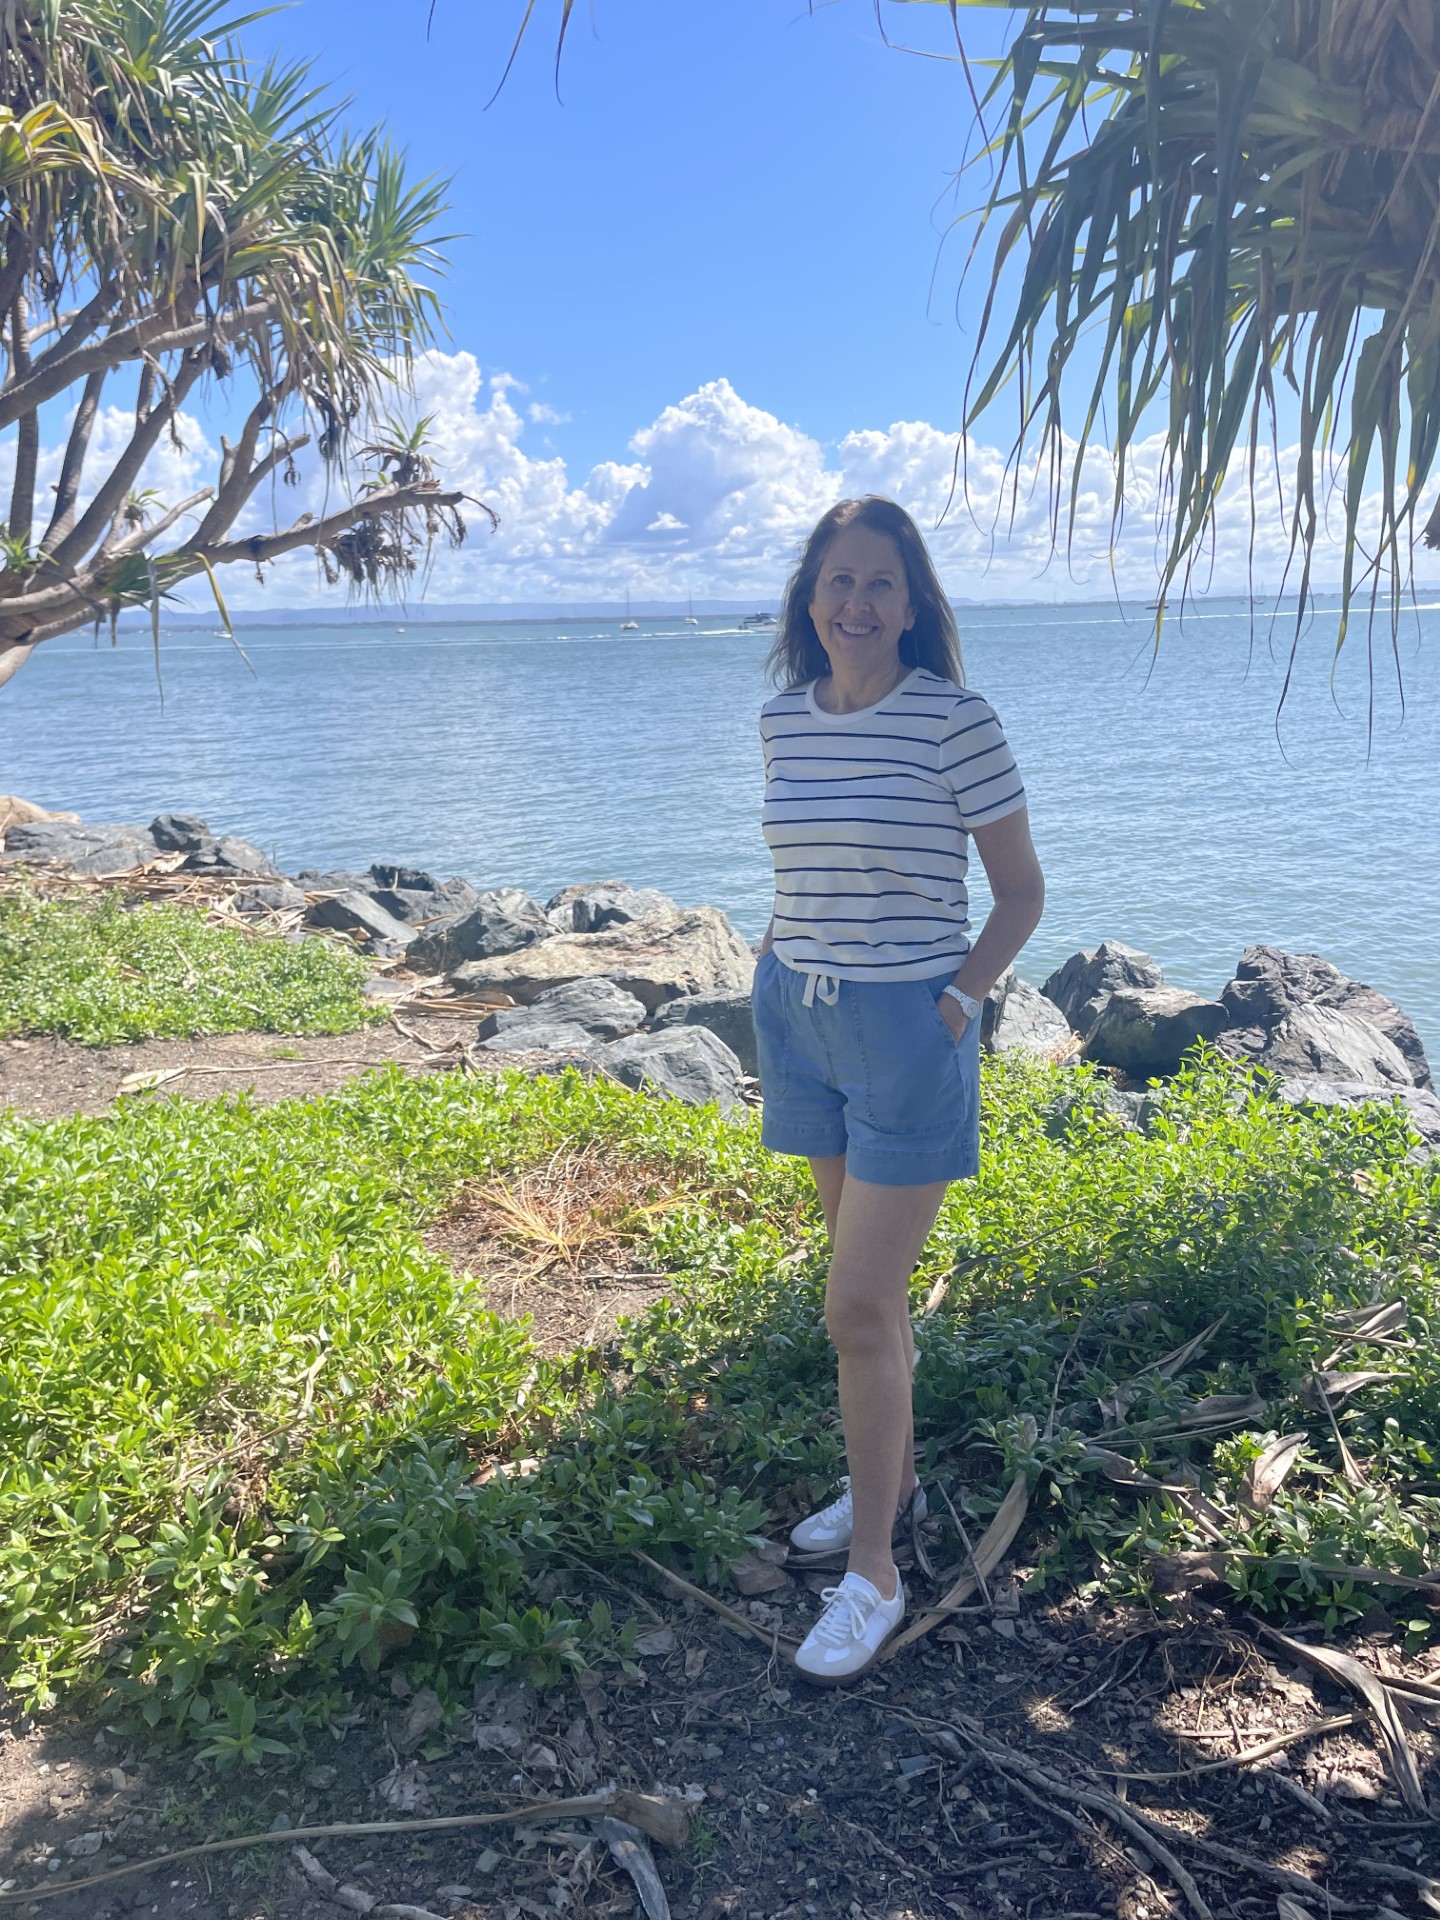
(1170, 807)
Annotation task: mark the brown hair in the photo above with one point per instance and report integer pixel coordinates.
(933, 642)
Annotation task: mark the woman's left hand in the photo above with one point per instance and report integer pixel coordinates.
(954, 1016)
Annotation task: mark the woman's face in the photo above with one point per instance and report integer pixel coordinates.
(862, 604)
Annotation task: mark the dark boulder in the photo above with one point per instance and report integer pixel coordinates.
(1270, 985)
(333, 880)
(1017, 1018)
(501, 922)
(1323, 1042)
(88, 850)
(688, 1063)
(228, 857)
(417, 897)
(598, 904)
(727, 1015)
(529, 1035)
(1081, 987)
(1421, 1106)
(596, 1005)
(357, 914)
(1146, 1030)
(179, 832)
(271, 896)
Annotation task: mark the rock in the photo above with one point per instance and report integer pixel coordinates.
(228, 856)
(669, 954)
(179, 832)
(1270, 984)
(540, 1036)
(415, 897)
(602, 903)
(1321, 1041)
(598, 1007)
(1089, 1096)
(1017, 1018)
(1081, 987)
(333, 881)
(1420, 1103)
(15, 812)
(357, 913)
(499, 923)
(89, 850)
(726, 1015)
(1145, 1030)
(688, 1063)
(277, 896)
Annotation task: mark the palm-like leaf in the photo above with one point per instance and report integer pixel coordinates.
(1223, 193)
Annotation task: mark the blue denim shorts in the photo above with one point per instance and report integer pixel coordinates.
(875, 1075)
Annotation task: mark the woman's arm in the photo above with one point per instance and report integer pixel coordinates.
(769, 940)
(1018, 888)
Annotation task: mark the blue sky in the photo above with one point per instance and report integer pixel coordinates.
(708, 289)
(747, 190)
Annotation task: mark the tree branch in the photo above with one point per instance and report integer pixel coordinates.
(59, 368)
(97, 516)
(235, 470)
(269, 546)
(27, 438)
(73, 467)
(142, 536)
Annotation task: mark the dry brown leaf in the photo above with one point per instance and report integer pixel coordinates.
(1371, 1689)
(1224, 1409)
(1266, 1473)
(753, 1574)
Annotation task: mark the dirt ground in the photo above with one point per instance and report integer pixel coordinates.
(805, 1803)
(46, 1078)
(968, 1777)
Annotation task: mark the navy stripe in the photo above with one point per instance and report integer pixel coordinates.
(880, 920)
(874, 966)
(850, 872)
(909, 766)
(886, 893)
(985, 722)
(1005, 773)
(854, 819)
(845, 779)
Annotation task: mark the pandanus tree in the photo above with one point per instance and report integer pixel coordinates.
(171, 218)
(1197, 205)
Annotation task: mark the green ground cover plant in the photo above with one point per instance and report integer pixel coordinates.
(250, 1425)
(101, 969)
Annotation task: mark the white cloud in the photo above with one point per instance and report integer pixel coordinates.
(545, 416)
(717, 495)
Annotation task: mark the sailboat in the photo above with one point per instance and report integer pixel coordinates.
(690, 619)
(627, 625)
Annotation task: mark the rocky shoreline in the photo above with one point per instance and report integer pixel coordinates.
(658, 995)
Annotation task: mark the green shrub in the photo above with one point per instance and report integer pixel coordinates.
(242, 1407)
(102, 969)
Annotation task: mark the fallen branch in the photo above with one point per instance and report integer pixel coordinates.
(1370, 1688)
(991, 1551)
(1057, 1789)
(1275, 1744)
(667, 1821)
(770, 1640)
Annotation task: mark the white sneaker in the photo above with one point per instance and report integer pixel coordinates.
(834, 1526)
(850, 1632)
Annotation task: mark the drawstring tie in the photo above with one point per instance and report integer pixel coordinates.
(825, 985)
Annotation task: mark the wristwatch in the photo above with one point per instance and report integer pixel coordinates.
(967, 1001)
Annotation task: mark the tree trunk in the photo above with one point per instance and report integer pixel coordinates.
(27, 442)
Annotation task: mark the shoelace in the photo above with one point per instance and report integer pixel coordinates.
(820, 985)
(841, 1509)
(843, 1619)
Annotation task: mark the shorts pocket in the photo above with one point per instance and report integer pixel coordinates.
(932, 997)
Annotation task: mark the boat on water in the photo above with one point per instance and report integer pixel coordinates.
(758, 620)
(627, 625)
(690, 619)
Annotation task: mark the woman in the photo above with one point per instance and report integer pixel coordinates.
(880, 767)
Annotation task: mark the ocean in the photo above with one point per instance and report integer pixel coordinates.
(1174, 805)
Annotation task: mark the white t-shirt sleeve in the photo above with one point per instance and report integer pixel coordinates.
(977, 765)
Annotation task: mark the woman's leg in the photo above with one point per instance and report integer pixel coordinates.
(830, 1185)
(878, 1235)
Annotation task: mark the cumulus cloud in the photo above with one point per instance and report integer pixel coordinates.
(715, 494)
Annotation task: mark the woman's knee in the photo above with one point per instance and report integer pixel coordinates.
(860, 1321)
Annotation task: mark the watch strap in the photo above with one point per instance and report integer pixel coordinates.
(967, 1001)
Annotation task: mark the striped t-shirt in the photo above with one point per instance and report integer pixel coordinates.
(868, 816)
